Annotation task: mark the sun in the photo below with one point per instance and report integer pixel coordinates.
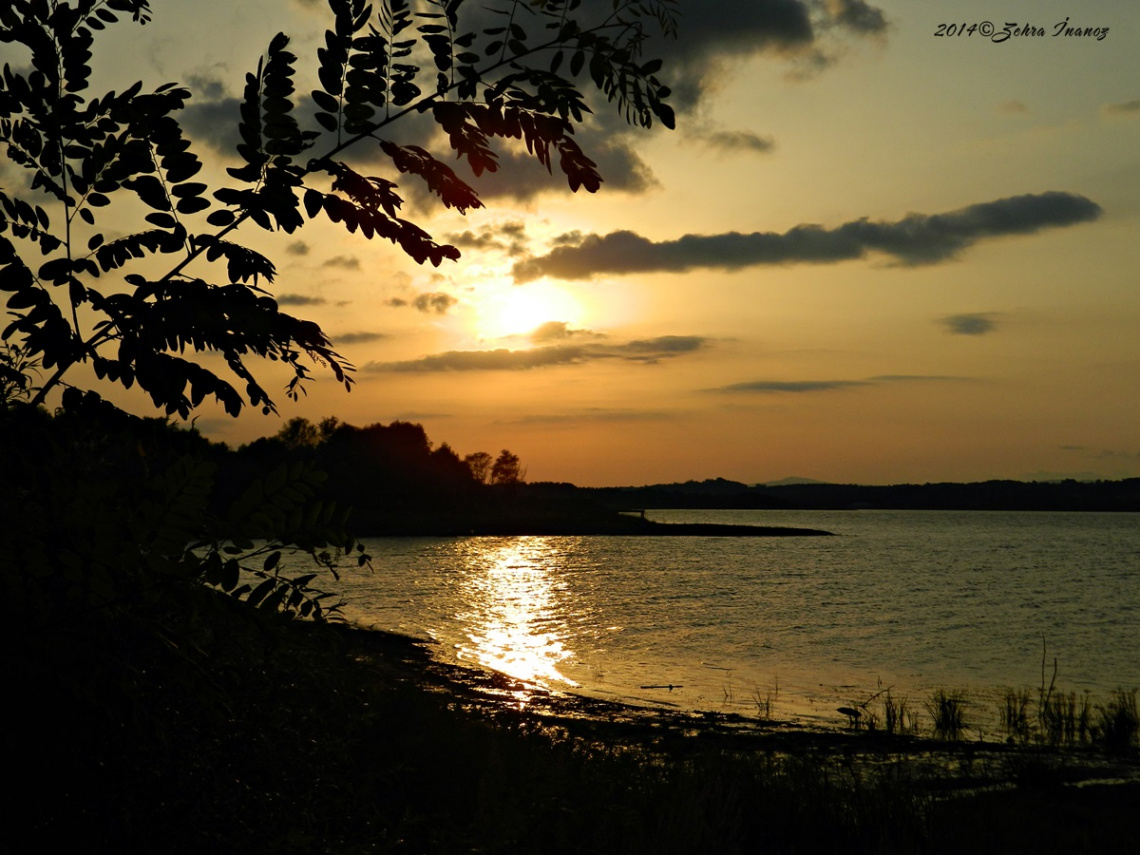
(520, 309)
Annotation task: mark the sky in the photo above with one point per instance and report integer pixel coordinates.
(868, 253)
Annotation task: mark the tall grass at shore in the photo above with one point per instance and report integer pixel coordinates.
(321, 746)
(1056, 718)
(948, 714)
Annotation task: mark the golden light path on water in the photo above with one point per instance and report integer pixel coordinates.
(514, 607)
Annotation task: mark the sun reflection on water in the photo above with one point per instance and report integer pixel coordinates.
(513, 603)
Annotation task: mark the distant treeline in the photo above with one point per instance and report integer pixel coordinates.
(397, 479)
(1068, 495)
(398, 482)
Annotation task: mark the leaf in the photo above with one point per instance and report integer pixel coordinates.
(221, 218)
(149, 190)
(260, 592)
(163, 221)
(325, 101)
(191, 205)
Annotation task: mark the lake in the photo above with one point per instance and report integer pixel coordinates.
(907, 600)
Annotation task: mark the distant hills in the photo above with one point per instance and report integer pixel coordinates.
(805, 494)
(788, 482)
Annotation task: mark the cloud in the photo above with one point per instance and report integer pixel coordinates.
(358, 337)
(213, 122)
(346, 262)
(915, 239)
(735, 141)
(794, 386)
(592, 414)
(433, 301)
(645, 351)
(299, 300)
(1013, 107)
(206, 86)
(1125, 108)
(572, 238)
(978, 323)
(297, 247)
(764, 387)
(558, 331)
(509, 237)
(859, 17)
(1103, 453)
(611, 146)
(915, 378)
(716, 34)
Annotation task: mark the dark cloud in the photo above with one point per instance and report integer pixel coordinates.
(593, 414)
(299, 300)
(914, 378)
(915, 239)
(206, 87)
(358, 337)
(1126, 108)
(507, 237)
(520, 176)
(803, 386)
(647, 351)
(795, 386)
(568, 238)
(714, 36)
(347, 262)
(213, 122)
(734, 141)
(858, 17)
(978, 323)
(558, 331)
(398, 302)
(1013, 107)
(436, 302)
(297, 247)
(1103, 453)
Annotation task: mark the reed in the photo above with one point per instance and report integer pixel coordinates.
(1064, 719)
(948, 711)
(765, 700)
(1015, 715)
(1118, 721)
(897, 717)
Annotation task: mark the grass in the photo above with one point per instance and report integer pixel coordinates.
(948, 714)
(1015, 715)
(1118, 721)
(765, 700)
(897, 717)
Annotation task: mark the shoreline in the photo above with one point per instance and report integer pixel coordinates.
(962, 767)
(620, 526)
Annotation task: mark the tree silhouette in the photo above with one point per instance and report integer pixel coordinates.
(80, 296)
(506, 469)
(480, 465)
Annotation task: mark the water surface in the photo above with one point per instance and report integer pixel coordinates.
(900, 599)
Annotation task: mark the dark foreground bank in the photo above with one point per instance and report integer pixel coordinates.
(328, 739)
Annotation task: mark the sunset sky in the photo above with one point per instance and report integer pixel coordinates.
(866, 254)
